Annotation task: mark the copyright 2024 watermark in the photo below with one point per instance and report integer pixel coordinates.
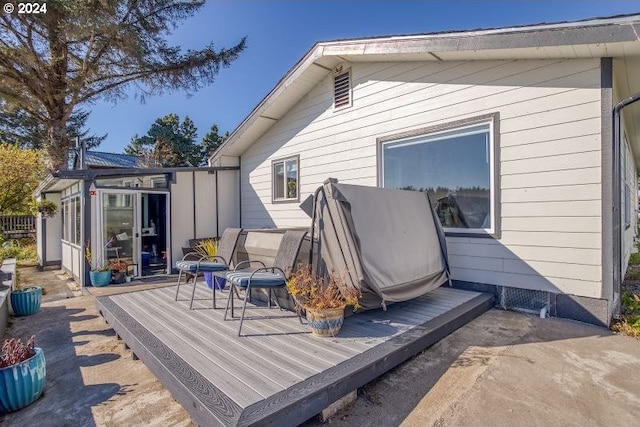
(26, 8)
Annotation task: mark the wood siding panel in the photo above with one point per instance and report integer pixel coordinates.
(551, 194)
(550, 173)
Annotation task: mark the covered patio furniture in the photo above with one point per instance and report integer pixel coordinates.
(389, 242)
(268, 278)
(220, 262)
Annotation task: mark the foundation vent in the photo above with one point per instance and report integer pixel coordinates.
(523, 300)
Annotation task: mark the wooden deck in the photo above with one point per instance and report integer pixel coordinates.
(279, 374)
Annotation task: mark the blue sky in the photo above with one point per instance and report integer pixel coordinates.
(279, 33)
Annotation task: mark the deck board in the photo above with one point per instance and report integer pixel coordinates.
(279, 374)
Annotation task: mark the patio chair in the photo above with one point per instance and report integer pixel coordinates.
(269, 278)
(220, 262)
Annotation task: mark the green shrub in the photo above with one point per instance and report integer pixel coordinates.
(634, 259)
(24, 250)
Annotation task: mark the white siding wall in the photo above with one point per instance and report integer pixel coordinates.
(549, 149)
(228, 199)
(54, 231)
(182, 224)
(205, 204)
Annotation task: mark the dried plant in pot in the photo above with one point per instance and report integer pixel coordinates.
(323, 299)
(118, 270)
(100, 273)
(22, 374)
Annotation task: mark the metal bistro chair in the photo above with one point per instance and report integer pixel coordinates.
(220, 262)
(270, 278)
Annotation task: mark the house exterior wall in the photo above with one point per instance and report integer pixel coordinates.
(629, 179)
(182, 213)
(195, 216)
(53, 227)
(228, 200)
(549, 186)
(205, 204)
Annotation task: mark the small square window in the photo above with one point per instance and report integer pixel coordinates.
(286, 180)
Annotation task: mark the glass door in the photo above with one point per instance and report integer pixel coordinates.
(153, 218)
(119, 229)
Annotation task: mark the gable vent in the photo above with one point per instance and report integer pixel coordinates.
(342, 89)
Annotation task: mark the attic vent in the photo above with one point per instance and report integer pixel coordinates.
(342, 89)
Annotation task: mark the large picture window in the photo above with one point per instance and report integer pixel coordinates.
(286, 179)
(455, 165)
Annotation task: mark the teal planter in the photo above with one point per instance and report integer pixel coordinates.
(100, 278)
(23, 383)
(26, 301)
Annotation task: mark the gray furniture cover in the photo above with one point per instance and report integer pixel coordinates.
(386, 242)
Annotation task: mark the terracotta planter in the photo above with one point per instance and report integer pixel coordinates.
(21, 384)
(26, 301)
(325, 323)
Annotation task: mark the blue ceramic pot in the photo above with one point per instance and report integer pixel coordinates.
(22, 383)
(26, 301)
(100, 278)
(219, 281)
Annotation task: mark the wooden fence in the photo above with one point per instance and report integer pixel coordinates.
(16, 226)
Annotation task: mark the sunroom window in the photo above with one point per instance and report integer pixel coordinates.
(455, 166)
(286, 180)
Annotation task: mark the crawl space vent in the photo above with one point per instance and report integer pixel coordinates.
(523, 300)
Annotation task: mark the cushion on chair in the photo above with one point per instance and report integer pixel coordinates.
(191, 266)
(240, 278)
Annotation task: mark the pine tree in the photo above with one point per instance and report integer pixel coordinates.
(211, 141)
(79, 51)
(168, 143)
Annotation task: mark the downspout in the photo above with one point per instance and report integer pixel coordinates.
(217, 204)
(193, 195)
(240, 191)
(617, 198)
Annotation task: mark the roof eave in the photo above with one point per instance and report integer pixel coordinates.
(510, 40)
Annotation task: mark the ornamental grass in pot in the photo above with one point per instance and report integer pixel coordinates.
(323, 299)
(208, 249)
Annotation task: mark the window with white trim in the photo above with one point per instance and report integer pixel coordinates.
(286, 179)
(71, 219)
(626, 187)
(455, 166)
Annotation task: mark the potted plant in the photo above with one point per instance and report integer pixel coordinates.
(100, 273)
(26, 300)
(119, 270)
(47, 208)
(322, 299)
(22, 374)
(208, 249)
